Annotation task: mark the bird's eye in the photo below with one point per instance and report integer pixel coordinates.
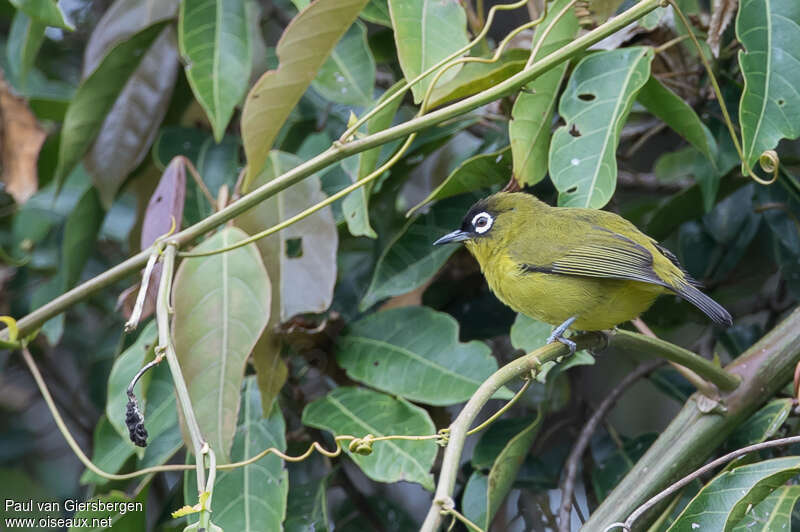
(482, 222)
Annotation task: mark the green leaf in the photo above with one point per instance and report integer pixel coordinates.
(430, 366)
(475, 77)
(127, 520)
(677, 114)
(46, 12)
(476, 173)
(358, 412)
(595, 105)
(495, 438)
(308, 506)
(355, 205)
(769, 109)
(24, 40)
(410, 259)
(348, 75)
(731, 493)
(221, 306)
(96, 96)
(160, 418)
(532, 114)
(607, 474)
(110, 451)
(80, 233)
(124, 368)
(473, 500)
(505, 468)
(772, 513)
(426, 32)
(762, 425)
(251, 498)
(377, 12)
(302, 49)
(214, 40)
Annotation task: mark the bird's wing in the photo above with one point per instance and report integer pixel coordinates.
(604, 254)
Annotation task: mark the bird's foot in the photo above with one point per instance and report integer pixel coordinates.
(558, 335)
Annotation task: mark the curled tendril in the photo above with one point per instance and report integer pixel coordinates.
(770, 163)
(362, 446)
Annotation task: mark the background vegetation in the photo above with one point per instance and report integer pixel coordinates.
(124, 122)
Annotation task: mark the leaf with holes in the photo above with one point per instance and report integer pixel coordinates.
(302, 49)
(431, 366)
(476, 173)
(733, 492)
(595, 105)
(222, 304)
(250, 498)
(214, 39)
(358, 412)
(348, 75)
(409, 260)
(532, 114)
(426, 32)
(769, 109)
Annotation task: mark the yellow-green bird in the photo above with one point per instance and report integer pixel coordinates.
(583, 269)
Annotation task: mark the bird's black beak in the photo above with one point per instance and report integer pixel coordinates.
(456, 236)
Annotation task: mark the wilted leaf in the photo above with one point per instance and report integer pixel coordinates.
(221, 308)
(426, 32)
(22, 138)
(430, 366)
(733, 492)
(348, 75)
(770, 62)
(98, 93)
(358, 412)
(250, 498)
(532, 114)
(595, 105)
(46, 12)
(214, 40)
(410, 259)
(302, 49)
(476, 173)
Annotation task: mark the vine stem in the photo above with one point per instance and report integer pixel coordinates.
(333, 154)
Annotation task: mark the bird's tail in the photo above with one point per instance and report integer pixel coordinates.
(711, 308)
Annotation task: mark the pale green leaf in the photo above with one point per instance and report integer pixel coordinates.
(731, 493)
(302, 49)
(769, 109)
(595, 105)
(430, 366)
(358, 412)
(24, 40)
(410, 258)
(473, 500)
(221, 306)
(425, 32)
(377, 12)
(214, 40)
(46, 12)
(348, 75)
(532, 114)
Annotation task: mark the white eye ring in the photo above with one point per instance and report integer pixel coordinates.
(486, 221)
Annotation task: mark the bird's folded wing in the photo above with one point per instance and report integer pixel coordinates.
(605, 254)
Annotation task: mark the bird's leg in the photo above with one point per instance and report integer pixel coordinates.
(558, 335)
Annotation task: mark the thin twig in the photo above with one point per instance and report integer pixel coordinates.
(571, 468)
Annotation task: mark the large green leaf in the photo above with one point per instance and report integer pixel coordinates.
(473, 500)
(251, 498)
(762, 425)
(732, 493)
(307, 508)
(96, 96)
(478, 172)
(46, 12)
(300, 284)
(358, 412)
(431, 366)
(773, 513)
(425, 32)
(348, 75)
(110, 451)
(214, 40)
(377, 12)
(532, 114)
(677, 114)
(410, 259)
(494, 439)
(595, 105)
(222, 304)
(302, 49)
(769, 109)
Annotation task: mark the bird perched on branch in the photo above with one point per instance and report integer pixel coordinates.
(582, 269)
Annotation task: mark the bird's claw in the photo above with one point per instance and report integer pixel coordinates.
(566, 341)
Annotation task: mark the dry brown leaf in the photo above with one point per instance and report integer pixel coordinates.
(721, 15)
(22, 138)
